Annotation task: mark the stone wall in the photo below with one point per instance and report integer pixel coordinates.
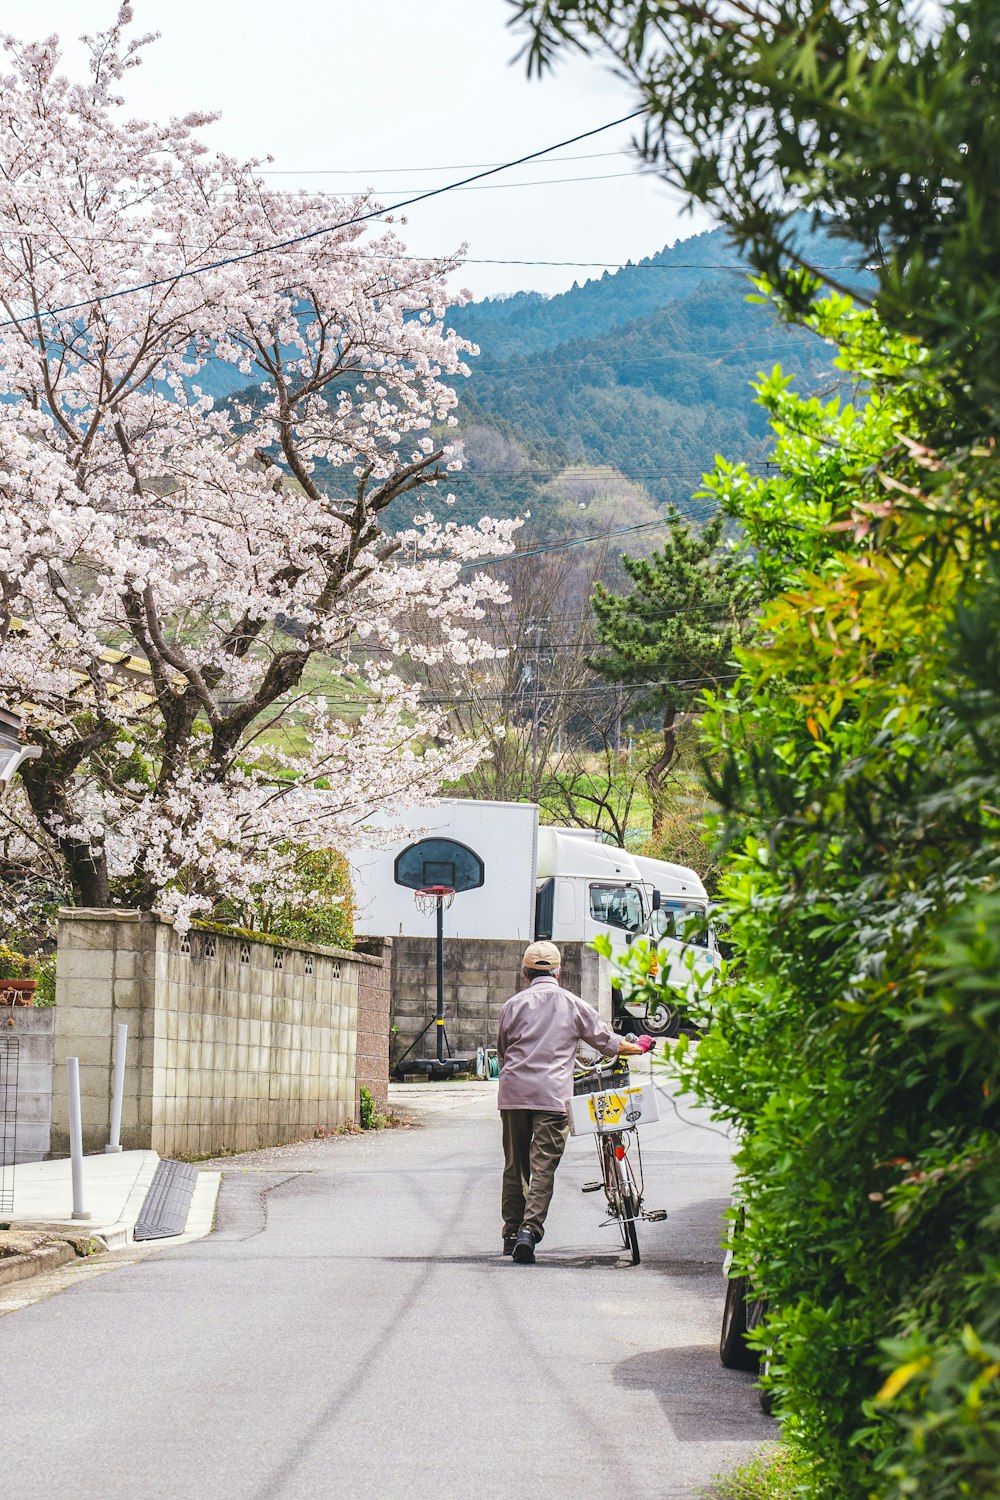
(374, 1023)
(479, 975)
(34, 1030)
(233, 1044)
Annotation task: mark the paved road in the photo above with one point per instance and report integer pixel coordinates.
(351, 1329)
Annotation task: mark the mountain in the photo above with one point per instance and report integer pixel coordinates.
(529, 321)
(644, 373)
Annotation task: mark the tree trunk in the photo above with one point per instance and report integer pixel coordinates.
(657, 773)
(88, 870)
(86, 867)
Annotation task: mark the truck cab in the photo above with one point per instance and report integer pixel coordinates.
(585, 887)
(681, 931)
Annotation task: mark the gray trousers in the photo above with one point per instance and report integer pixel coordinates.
(533, 1143)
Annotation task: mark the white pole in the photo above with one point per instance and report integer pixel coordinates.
(114, 1134)
(76, 1137)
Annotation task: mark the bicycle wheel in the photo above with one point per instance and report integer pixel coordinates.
(630, 1208)
(612, 1183)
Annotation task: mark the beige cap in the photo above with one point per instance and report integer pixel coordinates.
(542, 955)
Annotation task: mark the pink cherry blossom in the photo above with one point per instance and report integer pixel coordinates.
(181, 575)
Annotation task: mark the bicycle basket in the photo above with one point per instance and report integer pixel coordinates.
(611, 1075)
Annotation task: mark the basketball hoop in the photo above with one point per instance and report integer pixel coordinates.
(429, 897)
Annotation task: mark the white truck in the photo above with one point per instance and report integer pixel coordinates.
(586, 886)
(567, 884)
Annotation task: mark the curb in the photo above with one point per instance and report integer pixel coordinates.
(45, 1258)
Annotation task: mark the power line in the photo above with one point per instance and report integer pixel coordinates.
(490, 186)
(478, 628)
(44, 232)
(646, 265)
(579, 541)
(460, 166)
(694, 683)
(315, 233)
(535, 362)
(600, 474)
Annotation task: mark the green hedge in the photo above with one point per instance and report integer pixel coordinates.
(857, 1046)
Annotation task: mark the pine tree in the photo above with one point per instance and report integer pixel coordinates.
(673, 634)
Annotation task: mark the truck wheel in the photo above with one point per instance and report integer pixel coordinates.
(663, 1021)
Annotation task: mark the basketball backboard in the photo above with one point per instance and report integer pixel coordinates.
(439, 861)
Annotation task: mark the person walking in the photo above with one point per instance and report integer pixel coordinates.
(537, 1037)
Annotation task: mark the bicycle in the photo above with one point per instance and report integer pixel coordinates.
(618, 1150)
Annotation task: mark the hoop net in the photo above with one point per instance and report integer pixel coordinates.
(432, 896)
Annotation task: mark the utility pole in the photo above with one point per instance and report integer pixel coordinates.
(534, 706)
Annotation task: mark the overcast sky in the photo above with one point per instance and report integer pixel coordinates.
(400, 95)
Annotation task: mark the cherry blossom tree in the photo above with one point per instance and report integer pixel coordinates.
(173, 567)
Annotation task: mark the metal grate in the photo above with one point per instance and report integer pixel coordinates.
(166, 1205)
(10, 1055)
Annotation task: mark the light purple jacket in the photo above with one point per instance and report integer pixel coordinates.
(537, 1035)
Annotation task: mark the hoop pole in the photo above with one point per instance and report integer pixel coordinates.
(439, 1028)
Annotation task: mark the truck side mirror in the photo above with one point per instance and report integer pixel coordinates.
(656, 900)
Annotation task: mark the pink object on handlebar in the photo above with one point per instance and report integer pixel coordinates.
(645, 1042)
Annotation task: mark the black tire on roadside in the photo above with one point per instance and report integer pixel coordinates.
(733, 1350)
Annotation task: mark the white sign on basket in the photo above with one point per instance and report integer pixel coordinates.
(614, 1109)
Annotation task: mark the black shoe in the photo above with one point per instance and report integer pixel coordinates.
(509, 1241)
(524, 1248)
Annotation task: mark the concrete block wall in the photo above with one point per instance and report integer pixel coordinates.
(233, 1044)
(34, 1031)
(479, 976)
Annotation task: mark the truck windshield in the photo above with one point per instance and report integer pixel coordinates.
(686, 923)
(617, 906)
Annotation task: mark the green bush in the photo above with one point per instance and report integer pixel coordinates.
(319, 907)
(14, 965)
(856, 1048)
(371, 1119)
(46, 992)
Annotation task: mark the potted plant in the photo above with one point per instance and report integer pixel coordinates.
(18, 977)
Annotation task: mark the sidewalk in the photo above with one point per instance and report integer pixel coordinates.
(42, 1233)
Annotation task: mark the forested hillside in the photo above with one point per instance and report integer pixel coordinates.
(644, 373)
